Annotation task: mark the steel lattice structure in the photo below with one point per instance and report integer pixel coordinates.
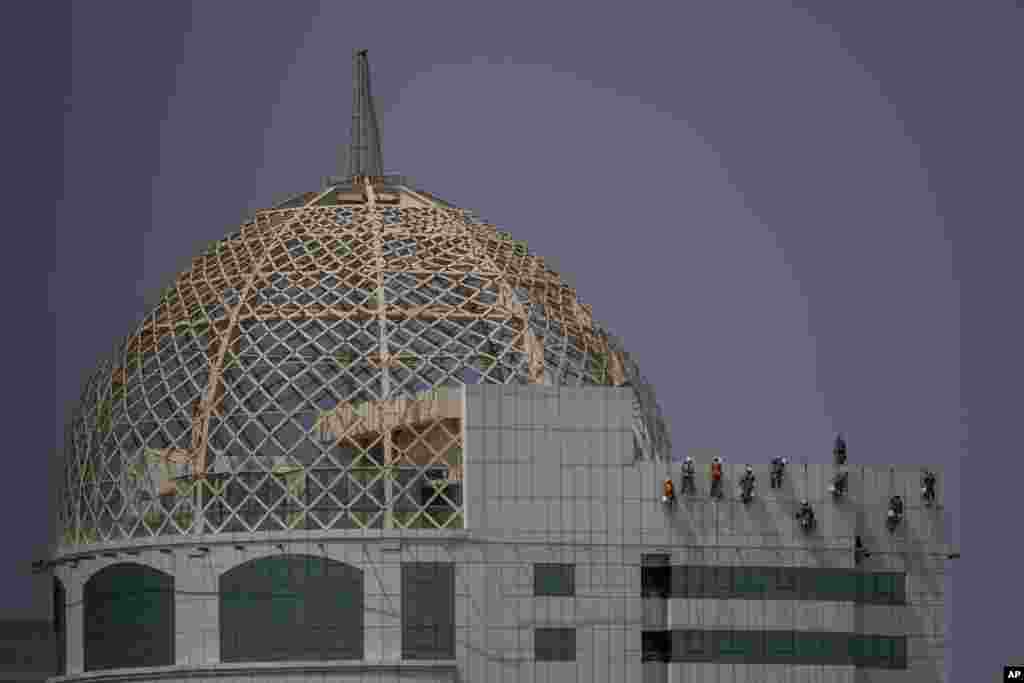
(304, 371)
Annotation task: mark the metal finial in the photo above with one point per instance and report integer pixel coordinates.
(364, 154)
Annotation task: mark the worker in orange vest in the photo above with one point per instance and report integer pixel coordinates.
(668, 492)
(716, 476)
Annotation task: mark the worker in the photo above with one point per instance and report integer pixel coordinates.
(895, 509)
(839, 450)
(928, 486)
(805, 514)
(716, 476)
(688, 474)
(858, 550)
(747, 484)
(778, 468)
(838, 487)
(668, 492)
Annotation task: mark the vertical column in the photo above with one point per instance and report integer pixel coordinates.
(382, 579)
(197, 606)
(74, 615)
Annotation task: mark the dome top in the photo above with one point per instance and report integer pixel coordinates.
(359, 296)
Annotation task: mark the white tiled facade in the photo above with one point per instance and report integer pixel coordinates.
(550, 476)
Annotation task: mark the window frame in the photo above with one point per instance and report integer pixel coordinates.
(295, 583)
(443, 647)
(97, 652)
(564, 571)
(567, 649)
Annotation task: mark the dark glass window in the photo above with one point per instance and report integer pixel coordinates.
(770, 583)
(780, 646)
(692, 645)
(554, 644)
(655, 576)
(751, 582)
(428, 610)
(816, 648)
(128, 618)
(831, 584)
(554, 579)
(59, 628)
(884, 589)
(291, 607)
(657, 646)
(738, 646)
(721, 583)
(775, 647)
(787, 580)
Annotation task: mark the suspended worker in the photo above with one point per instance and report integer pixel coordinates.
(838, 487)
(747, 484)
(668, 493)
(778, 468)
(688, 475)
(716, 476)
(928, 487)
(839, 449)
(805, 514)
(859, 552)
(895, 514)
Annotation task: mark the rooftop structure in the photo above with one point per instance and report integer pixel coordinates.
(371, 437)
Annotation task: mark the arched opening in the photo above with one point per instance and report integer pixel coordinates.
(59, 627)
(291, 607)
(128, 618)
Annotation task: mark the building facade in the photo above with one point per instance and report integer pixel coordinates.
(370, 437)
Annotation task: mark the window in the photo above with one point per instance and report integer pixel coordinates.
(738, 646)
(655, 576)
(657, 646)
(816, 648)
(128, 618)
(721, 582)
(691, 645)
(291, 607)
(774, 647)
(751, 582)
(786, 584)
(879, 652)
(554, 579)
(697, 580)
(881, 589)
(888, 589)
(833, 584)
(779, 646)
(428, 610)
(554, 644)
(770, 583)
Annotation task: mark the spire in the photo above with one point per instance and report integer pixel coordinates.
(364, 156)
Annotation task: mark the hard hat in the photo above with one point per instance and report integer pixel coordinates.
(783, 461)
(803, 502)
(749, 468)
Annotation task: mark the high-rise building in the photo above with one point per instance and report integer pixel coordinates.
(370, 436)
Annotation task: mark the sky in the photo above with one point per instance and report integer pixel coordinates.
(800, 218)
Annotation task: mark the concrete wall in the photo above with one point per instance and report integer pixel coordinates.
(550, 477)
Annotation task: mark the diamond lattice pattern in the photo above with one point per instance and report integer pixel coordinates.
(304, 373)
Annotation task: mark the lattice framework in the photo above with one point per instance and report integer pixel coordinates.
(303, 373)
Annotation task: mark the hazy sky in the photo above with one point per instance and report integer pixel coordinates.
(779, 208)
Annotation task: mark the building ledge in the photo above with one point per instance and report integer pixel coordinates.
(264, 669)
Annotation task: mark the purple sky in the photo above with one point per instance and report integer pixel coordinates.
(783, 211)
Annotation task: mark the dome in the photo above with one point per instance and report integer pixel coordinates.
(304, 372)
